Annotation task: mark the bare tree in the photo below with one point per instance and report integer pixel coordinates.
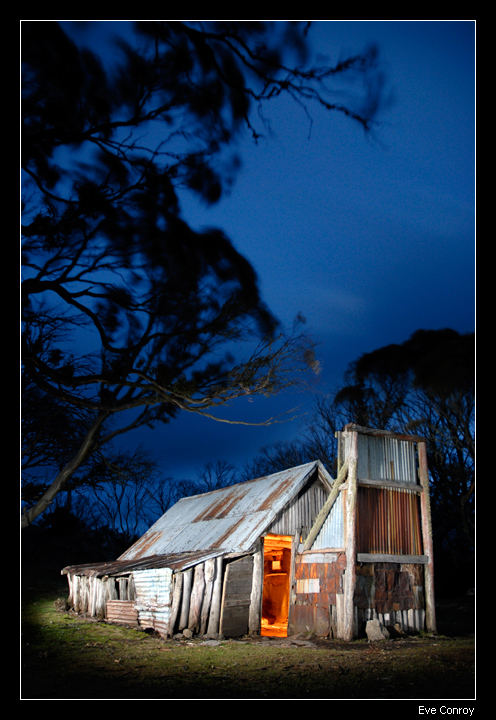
(130, 315)
(215, 475)
(120, 502)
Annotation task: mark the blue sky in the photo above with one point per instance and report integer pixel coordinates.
(370, 237)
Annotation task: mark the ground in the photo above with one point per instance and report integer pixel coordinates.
(65, 656)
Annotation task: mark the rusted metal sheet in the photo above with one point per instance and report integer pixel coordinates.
(122, 611)
(224, 521)
(388, 522)
(310, 618)
(231, 518)
(318, 577)
(179, 561)
(318, 592)
(307, 586)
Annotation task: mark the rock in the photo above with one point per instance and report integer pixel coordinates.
(376, 631)
(187, 633)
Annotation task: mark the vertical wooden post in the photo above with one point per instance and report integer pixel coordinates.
(196, 598)
(425, 508)
(187, 578)
(214, 617)
(351, 509)
(209, 586)
(176, 602)
(295, 545)
(255, 617)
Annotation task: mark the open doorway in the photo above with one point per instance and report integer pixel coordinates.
(277, 574)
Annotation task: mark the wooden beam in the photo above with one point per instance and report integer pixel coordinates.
(176, 602)
(214, 617)
(207, 597)
(320, 519)
(366, 482)
(425, 507)
(187, 578)
(351, 427)
(295, 544)
(403, 559)
(196, 598)
(350, 540)
(255, 616)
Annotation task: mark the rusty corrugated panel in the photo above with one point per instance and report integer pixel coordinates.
(388, 522)
(232, 517)
(144, 543)
(388, 519)
(227, 520)
(122, 611)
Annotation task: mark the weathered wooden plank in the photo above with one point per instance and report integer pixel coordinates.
(367, 482)
(209, 573)
(176, 602)
(425, 508)
(111, 589)
(380, 557)
(241, 586)
(237, 601)
(382, 433)
(340, 615)
(187, 580)
(351, 512)
(234, 621)
(235, 610)
(196, 600)
(214, 617)
(255, 611)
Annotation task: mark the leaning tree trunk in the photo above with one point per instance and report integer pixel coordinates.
(65, 474)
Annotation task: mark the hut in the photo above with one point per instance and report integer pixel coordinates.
(296, 551)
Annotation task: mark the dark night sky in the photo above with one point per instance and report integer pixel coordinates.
(369, 237)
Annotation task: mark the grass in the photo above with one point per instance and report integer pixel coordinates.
(67, 657)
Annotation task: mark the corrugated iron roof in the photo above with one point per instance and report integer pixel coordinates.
(230, 519)
(180, 561)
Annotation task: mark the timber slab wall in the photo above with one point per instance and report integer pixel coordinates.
(393, 593)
